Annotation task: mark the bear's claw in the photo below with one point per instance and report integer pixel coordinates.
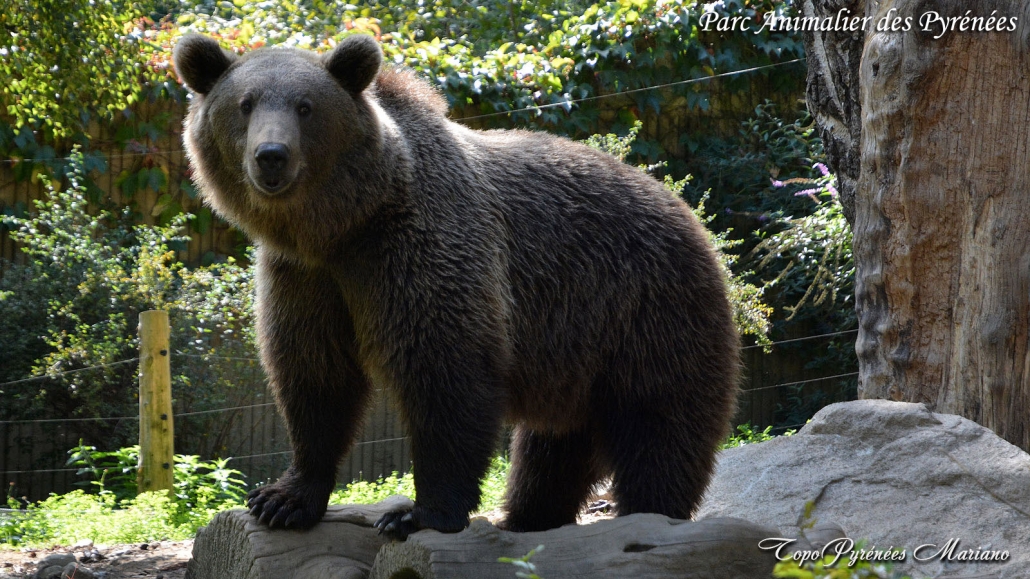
(288, 504)
(397, 525)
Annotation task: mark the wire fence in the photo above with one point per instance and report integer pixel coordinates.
(251, 434)
(222, 412)
(565, 104)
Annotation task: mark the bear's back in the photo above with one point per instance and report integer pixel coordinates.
(591, 246)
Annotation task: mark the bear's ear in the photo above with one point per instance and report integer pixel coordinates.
(200, 62)
(354, 62)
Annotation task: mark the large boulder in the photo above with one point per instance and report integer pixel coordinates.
(895, 475)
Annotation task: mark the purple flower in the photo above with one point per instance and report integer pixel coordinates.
(810, 193)
(832, 190)
(822, 169)
(776, 183)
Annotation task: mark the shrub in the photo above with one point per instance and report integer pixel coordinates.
(74, 305)
(368, 492)
(746, 434)
(114, 513)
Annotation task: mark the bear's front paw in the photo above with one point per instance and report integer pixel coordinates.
(290, 503)
(399, 524)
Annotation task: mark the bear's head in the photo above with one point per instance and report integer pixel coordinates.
(274, 121)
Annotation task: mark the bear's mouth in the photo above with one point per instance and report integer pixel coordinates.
(270, 183)
(271, 187)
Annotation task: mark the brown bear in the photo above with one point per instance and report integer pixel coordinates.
(481, 276)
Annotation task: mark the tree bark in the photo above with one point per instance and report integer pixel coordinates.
(832, 92)
(942, 218)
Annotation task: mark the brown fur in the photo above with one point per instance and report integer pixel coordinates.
(482, 276)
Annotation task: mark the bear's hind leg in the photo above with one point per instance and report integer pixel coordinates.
(305, 334)
(661, 459)
(550, 479)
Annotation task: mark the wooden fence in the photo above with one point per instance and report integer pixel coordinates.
(33, 452)
(128, 149)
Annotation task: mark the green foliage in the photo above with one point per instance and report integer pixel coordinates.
(491, 56)
(366, 492)
(801, 252)
(750, 313)
(114, 513)
(746, 434)
(197, 481)
(111, 472)
(92, 59)
(526, 569)
(494, 484)
(808, 265)
(206, 485)
(819, 245)
(740, 170)
(487, 55)
(74, 305)
(794, 248)
(68, 61)
(66, 519)
(89, 270)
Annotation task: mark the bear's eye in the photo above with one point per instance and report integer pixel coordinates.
(304, 109)
(246, 106)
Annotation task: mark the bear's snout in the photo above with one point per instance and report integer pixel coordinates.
(273, 161)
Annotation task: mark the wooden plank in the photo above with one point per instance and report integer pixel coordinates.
(156, 432)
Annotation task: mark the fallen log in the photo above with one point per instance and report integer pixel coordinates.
(640, 546)
(345, 546)
(342, 546)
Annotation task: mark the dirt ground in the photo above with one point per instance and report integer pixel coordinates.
(164, 559)
(161, 560)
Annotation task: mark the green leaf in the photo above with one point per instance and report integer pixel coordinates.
(203, 221)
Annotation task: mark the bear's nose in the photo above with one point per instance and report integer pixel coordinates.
(272, 158)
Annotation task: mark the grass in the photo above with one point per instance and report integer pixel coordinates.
(203, 489)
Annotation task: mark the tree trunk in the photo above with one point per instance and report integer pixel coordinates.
(942, 217)
(832, 92)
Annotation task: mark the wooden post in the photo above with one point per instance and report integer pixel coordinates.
(155, 404)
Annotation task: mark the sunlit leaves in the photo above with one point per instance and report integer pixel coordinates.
(66, 60)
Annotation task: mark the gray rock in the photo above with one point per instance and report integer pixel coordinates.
(58, 559)
(893, 474)
(76, 571)
(50, 567)
(48, 572)
(91, 555)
